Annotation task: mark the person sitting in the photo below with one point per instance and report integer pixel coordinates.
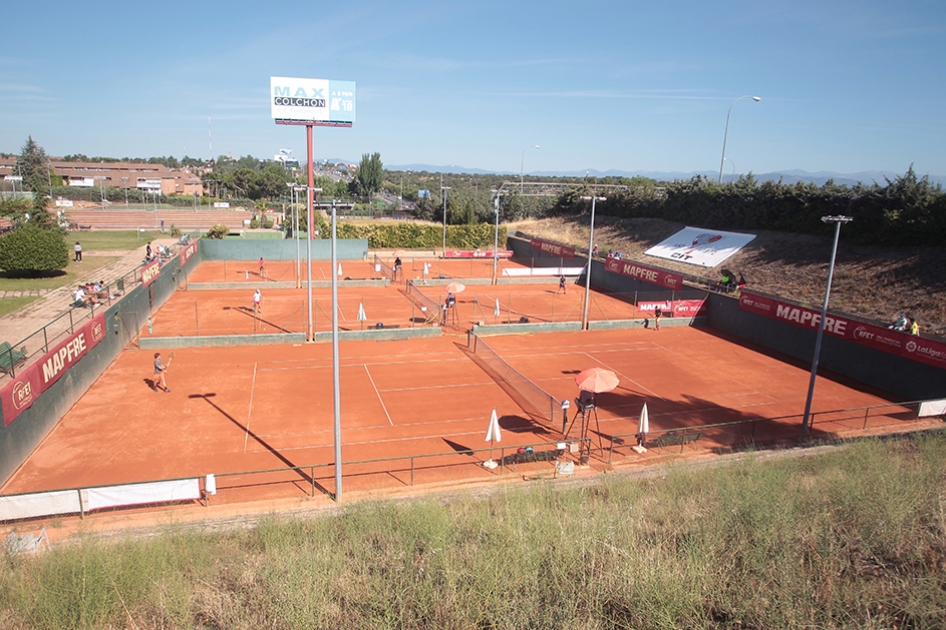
(585, 401)
(79, 297)
(451, 300)
(900, 324)
(914, 328)
(741, 283)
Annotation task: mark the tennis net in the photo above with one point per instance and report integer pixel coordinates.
(543, 403)
(386, 269)
(425, 302)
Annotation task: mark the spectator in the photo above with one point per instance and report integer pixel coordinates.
(901, 323)
(148, 252)
(914, 328)
(78, 250)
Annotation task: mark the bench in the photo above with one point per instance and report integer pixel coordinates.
(75, 227)
(10, 357)
(673, 438)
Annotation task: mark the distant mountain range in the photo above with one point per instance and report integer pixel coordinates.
(787, 177)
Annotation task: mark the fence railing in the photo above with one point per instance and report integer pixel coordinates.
(459, 464)
(38, 343)
(290, 482)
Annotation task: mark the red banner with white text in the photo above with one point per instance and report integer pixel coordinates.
(23, 391)
(553, 249)
(645, 274)
(902, 344)
(476, 253)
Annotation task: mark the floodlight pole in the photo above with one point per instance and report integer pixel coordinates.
(837, 220)
(443, 191)
(496, 239)
(591, 242)
(308, 228)
(335, 376)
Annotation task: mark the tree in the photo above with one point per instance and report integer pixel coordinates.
(369, 177)
(32, 250)
(33, 165)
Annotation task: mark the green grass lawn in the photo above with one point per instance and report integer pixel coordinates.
(112, 239)
(70, 275)
(8, 305)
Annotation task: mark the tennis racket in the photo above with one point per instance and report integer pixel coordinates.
(170, 358)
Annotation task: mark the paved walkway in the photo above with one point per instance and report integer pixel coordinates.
(52, 303)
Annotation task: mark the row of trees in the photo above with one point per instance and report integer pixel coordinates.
(904, 211)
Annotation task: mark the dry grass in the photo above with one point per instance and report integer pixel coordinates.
(850, 539)
(869, 281)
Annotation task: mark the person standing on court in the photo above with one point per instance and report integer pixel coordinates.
(258, 302)
(657, 314)
(561, 285)
(159, 371)
(262, 268)
(78, 250)
(397, 267)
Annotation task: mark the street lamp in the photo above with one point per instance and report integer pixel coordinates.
(496, 236)
(837, 220)
(125, 186)
(591, 244)
(726, 133)
(522, 163)
(733, 164)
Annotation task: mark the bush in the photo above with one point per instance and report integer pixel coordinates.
(175, 231)
(32, 250)
(254, 224)
(268, 224)
(218, 231)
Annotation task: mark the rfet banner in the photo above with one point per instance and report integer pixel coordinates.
(675, 308)
(553, 249)
(696, 246)
(645, 274)
(877, 337)
(23, 391)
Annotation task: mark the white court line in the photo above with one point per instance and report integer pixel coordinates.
(378, 394)
(651, 392)
(249, 413)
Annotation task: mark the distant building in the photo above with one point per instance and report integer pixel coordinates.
(141, 175)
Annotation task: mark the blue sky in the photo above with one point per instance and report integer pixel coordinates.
(632, 86)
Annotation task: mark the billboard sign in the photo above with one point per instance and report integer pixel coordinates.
(554, 249)
(696, 246)
(644, 273)
(902, 344)
(325, 101)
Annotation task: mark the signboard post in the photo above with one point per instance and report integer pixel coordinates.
(317, 103)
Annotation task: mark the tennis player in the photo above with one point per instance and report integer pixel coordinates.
(159, 371)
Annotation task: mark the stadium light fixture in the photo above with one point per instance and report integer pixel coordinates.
(591, 244)
(837, 220)
(726, 132)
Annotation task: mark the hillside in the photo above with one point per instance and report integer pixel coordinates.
(870, 281)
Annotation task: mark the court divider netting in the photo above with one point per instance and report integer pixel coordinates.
(545, 404)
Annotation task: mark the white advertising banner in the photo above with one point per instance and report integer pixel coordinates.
(312, 100)
(697, 246)
(141, 493)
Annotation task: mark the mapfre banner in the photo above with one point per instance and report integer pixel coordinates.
(187, 252)
(23, 391)
(877, 337)
(552, 248)
(645, 274)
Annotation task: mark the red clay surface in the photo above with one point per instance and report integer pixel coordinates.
(271, 407)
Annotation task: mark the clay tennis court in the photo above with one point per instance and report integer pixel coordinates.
(286, 270)
(230, 312)
(270, 408)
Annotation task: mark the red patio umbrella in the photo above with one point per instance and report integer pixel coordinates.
(454, 287)
(597, 380)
